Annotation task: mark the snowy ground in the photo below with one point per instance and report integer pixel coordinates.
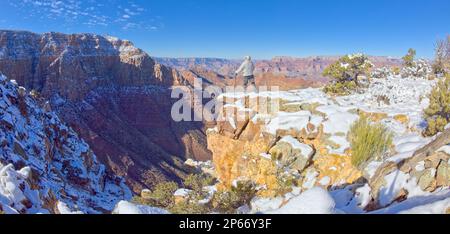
(399, 102)
(391, 98)
(406, 97)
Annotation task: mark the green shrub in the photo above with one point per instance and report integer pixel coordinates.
(239, 195)
(348, 68)
(345, 73)
(285, 182)
(381, 73)
(226, 202)
(245, 190)
(396, 70)
(408, 59)
(197, 182)
(161, 196)
(368, 141)
(340, 88)
(437, 114)
(189, 206)
(417, 69)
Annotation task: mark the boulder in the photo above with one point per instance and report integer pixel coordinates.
(293, 153)
(402, 118)
(443, 174)
(234, 159)
(427, 180)
(429, 167)
(234, 120)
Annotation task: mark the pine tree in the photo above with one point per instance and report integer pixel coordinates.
(346, 71)
(437, 114)
(408, 59)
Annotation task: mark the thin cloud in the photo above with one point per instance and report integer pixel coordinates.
(93, 13)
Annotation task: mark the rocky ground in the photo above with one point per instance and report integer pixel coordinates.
(115, 97)
(312, 127)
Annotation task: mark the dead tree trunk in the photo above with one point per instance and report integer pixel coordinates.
(441, 140)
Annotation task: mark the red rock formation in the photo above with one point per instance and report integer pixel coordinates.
(262, 79)
(54, 163)
(308, 69)
(114, 95)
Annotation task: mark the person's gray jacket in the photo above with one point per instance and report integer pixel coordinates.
(247, 68)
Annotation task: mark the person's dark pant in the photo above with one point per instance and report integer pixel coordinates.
(249, 80)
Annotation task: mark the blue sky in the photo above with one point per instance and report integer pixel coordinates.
(232, 28)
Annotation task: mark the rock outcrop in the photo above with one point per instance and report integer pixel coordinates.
(302, 142)
(114, 95)
(429, 168)
(54, 166)
(244, 147)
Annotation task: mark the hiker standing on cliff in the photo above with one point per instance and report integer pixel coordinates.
(247, 68)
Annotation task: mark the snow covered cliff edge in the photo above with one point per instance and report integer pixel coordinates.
(44, 166)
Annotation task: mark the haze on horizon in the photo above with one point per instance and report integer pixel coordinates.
(232, 29)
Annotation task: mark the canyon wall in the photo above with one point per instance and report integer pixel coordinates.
(114, 95)
(56, 170)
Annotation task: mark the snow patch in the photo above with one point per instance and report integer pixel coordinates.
(125, 207)
(286, 121)
(339, 122)
(325, 181)
(310, 179)
(395, 182)
(304, 148)
(259, 204)
(444, 149)
(313, 201)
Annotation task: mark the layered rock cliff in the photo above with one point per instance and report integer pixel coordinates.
(114, 95)
(57, 172)
(309, 68)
